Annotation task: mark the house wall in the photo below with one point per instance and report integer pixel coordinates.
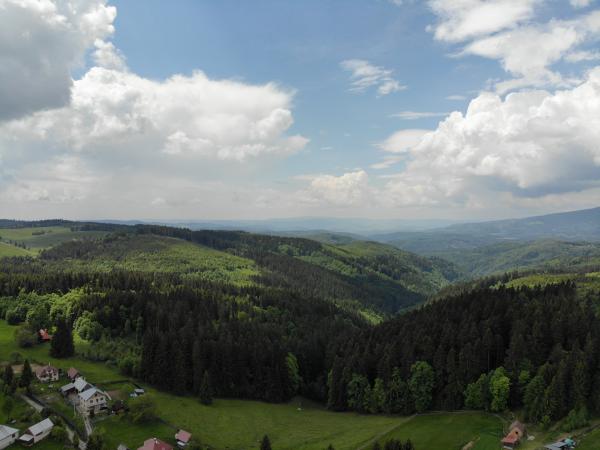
(42, 435)
(8, 441)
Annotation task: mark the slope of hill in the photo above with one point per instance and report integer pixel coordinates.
(509, 256)
(367, 276)
(581, 225)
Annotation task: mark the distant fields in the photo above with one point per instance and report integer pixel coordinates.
(12, 250)
(39, 238)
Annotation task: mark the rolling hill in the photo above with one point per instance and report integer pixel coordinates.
(583, 225)
(374, 278)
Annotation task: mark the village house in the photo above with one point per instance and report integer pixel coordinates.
(46, 373)
(155, 444)
(44, 335)
(514, 436)
(73, 374)
(92, 401)
(183, 438)
(81, 385)
(37, 432)
(8, 436)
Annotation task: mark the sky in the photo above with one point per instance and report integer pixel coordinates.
(379, 109)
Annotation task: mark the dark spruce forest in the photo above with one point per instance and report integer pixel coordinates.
(353, 325)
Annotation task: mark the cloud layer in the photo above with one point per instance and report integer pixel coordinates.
(63, 140)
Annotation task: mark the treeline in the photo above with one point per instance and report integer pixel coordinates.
(492, 349)
(252, 342)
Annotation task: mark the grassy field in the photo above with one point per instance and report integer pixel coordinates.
(39, 238)
(425, 432)
(12, 250)
(591, 442)
(299, 424)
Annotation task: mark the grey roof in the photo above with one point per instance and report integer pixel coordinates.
(6, 431)
(86, 395)
(67, 387)
(81, 385)
(40, 427)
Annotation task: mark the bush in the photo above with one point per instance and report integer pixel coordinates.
(142, 409)
(25, 337)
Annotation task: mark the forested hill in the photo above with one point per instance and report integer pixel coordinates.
(368, 276)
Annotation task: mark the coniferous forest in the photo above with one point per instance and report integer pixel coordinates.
(483, 347)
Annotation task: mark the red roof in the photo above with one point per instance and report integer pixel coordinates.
(41, 371)
(511, 438)
(183, 436)
(72, 372)
(155, 444)
(44, 336)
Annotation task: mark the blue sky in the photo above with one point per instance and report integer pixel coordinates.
(237, 109)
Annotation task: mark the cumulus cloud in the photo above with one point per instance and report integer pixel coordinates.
(41, 41)
(529, 145)
(504, 30)
(64, 140)
(530, 51)
(116, 111)
(365, 75)
(351, 188)
(403, 141)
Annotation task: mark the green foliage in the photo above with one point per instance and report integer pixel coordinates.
(499, 390)
(475, 393)
(142, 409)
(421, 385)
(359, 393)
(25, 337)
(26, 375)
(96, 441)
(62, 345)
(59, 434)
(577, 418)
(293, 372)
(534, 399)
(8, 406)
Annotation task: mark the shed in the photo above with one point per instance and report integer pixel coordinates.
(183, 438)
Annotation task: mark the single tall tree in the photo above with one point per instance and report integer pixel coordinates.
(265, 443)
(205, 390)
(26, 375)
(8, 375)
(62, 343)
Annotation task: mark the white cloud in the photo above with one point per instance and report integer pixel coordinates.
(460, 20)
(529, 52)
(403, 141)
(505, 30)
(365, 75)
(41, 41)
(351, 188)
(583, 55)
(69, 141)
(530, 145)
(414, 115)
(108, 56)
